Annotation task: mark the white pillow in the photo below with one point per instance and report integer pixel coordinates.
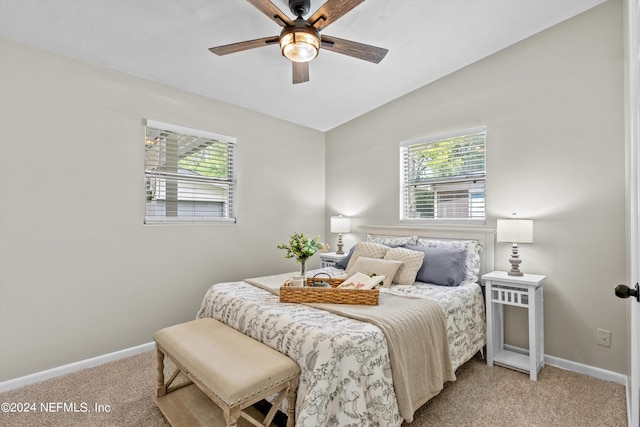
(377, 266)
(411, 263)
(367, 249)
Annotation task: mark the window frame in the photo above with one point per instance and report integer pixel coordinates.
(229, 202)
(470, 179)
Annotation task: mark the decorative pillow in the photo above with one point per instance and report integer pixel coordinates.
(442, 266)
(392, 240)
(411, 263)
(367, 249)
(473, 248)
(380, 267)
(345, 261)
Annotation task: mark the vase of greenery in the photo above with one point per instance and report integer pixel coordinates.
(301, 247)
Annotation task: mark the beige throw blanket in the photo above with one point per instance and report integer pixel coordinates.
(416, 337)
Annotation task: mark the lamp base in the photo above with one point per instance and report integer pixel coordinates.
(515, 272)
(340, 245)
(515, 261)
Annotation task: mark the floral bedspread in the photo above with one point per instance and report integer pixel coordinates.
(346, 373)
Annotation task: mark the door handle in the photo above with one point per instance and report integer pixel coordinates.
(623, 291)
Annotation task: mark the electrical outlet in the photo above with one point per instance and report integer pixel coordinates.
(604, 338)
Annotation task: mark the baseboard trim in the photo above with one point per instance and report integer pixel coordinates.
(73, 367)
(591, 371)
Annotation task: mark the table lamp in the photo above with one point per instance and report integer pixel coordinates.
(340, 224)
(515, 231)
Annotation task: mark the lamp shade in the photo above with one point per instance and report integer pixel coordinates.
(340, 224)
(515, 231)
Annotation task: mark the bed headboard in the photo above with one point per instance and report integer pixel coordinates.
(483, 235)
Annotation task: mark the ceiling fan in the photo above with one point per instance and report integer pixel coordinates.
(300, 40)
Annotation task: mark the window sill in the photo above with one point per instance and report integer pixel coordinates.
(187, 220)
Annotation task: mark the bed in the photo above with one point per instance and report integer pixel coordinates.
(360, 367)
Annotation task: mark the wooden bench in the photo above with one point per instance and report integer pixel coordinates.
(231, 369)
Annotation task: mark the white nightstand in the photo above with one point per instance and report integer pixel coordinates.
(520, 291)
(329, 259)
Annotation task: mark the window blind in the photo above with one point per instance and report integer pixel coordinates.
(190, 175)
(443, 177)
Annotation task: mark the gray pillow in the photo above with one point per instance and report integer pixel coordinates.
(442, 266)
(345, 261)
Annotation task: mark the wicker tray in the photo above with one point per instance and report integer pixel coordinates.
(318, 279)
(332, 295)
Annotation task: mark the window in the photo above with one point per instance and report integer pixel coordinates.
(190, 175)
(443, 178)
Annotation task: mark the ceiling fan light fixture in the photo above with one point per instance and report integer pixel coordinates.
(299, 44)
(300, 40)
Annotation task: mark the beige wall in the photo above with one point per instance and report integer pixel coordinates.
(553, 107)
(80, 275)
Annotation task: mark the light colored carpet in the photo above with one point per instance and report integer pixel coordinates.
(482, 396)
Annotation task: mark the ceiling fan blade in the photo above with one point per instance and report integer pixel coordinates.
(272, 11)
(330, 12)
(300, 72)
(246, 45)
(357, 50)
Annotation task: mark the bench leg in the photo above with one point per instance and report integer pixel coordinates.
(161, 389)
(291, 402)
(231, 416)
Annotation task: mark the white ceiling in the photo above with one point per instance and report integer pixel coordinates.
(167, 40)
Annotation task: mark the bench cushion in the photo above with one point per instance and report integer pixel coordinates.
(230, 364)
